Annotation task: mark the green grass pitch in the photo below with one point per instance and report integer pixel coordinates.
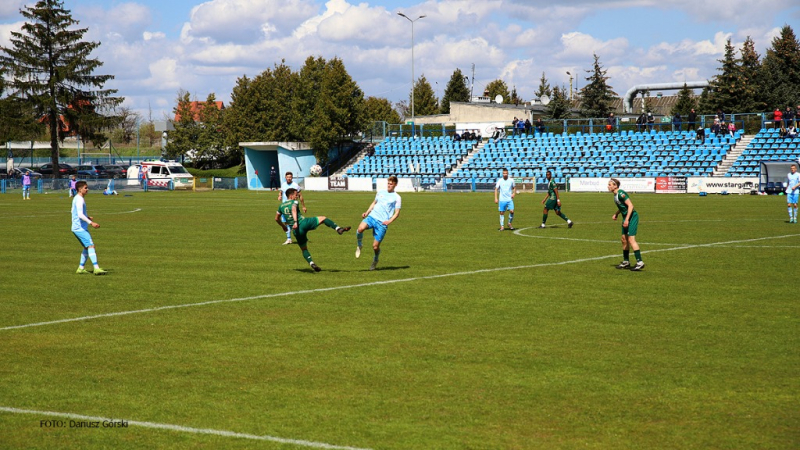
(466, 338)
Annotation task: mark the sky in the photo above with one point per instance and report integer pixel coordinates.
(155, 48)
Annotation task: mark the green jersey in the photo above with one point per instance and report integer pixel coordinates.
(551, 190)
(620, 198)
(286, 210)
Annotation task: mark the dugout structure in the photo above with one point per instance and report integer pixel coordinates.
(259, 157)
(773, 175)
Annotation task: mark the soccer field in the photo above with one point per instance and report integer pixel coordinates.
(207, 333)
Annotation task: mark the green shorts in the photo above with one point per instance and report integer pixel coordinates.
(552, 205)
(633, 225)
(303, 227)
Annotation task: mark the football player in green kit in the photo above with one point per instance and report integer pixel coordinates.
(552, 201)
(302, 225)
(629, 226)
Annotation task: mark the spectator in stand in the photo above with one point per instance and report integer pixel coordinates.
(797, 117)
(692, 120)
(611, 123)
(651, 121)
(528, 126)
(777, 118)
(521, 127)
(676, 122)
(788, 117)
(477, 136)
(539, 125)
(499, 134)
(640, 122)
(783, 131)
(731, 129)
(514, 126)
(791, 132)
(720, 116)
(700, 135)
(457, 137)
(716, 126)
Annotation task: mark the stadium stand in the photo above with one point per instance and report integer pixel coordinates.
(624, 154)
(766, 145)
(427, 158)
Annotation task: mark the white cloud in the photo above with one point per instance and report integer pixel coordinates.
(247, 21)
(9, 9)
(5, 32)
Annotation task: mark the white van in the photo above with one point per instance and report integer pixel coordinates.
(160, 173)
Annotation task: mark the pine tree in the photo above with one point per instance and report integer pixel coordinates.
(597, 96)
(727, 86)
(187, 130)
(498, 87)
(456, 91)
(515, 97)
(425, 102)
(18, 119)
(544, 88)
(48, 66)
(781, 71)
(751, 96)
(704, 103)
(559, 106)
(685, 103)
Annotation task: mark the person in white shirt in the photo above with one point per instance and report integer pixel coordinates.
(382, 212)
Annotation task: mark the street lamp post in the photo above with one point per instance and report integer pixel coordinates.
(570, 85)
(412, 62)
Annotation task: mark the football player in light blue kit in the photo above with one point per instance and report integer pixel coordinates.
(792, 192)
(290, 184)
(80, 228)
(383, 211)
(506, 188)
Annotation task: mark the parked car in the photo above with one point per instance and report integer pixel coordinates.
(19, 172)
(63, 169)
(92, 170)
(115, 171)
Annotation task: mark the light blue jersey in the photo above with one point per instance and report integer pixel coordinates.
(79, 217)
(793, 179)
(505, 188)
(285, 187)
(387, 203)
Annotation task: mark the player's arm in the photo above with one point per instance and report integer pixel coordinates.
(278, 219)
(513, 190)
(86, 218)
(496, 189)
(558, 197)
(302, 200)
(629, 203)
(369, 210)
(294, 215)
(394, 216)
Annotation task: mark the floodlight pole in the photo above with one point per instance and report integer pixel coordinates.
(413, 123)
(570, 85)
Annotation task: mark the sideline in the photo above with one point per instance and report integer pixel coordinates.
(180, 428)
(378, 283)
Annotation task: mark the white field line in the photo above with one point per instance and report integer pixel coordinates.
(179, 428)
(519, 231)
(64, 214)
(378, 283)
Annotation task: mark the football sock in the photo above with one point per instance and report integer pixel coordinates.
(626, 255)
(329, 223)
(307, 256)
(359, 237)
(510, 218)
(564, 216)
(288, 232)
(502, 219)
(377, 254)
(637, 254)
(790, 211)
(544, 218)
(93, 256)
(84, 256)
(795, 213)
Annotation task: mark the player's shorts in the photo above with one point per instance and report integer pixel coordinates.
(378, 228)
(303, 227)
(792, 198)
(633, 225)
(552, 205)
(73, 192)
(26, 187)
(505, 206)
(84, 238)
